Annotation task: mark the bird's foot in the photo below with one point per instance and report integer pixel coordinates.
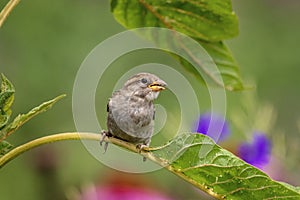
(104, 134)
(141, 147)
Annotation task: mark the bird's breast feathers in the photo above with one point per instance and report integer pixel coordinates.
(135, 110)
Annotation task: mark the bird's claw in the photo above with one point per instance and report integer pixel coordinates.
(141, 147)
(104, 134)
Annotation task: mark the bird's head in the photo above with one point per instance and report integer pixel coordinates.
(145, 85)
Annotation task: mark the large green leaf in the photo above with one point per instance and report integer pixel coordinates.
(197, 159)
(228, 68)
(207, 20)
(228, 74)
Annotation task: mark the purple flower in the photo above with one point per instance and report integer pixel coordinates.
(213, 125)
(258, 152)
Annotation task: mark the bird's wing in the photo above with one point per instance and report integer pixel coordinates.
(116, 93)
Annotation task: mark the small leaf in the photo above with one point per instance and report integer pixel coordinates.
(23, 118)
(5, 147)
(6, 85)
(197, 159)
(7, 91)
(3, 121)
(6, 100)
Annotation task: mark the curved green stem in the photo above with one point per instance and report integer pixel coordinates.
(59, 137)
(7, 9)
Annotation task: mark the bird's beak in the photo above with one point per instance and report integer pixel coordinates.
(157, 86)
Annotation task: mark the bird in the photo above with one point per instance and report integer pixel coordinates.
(131, 111)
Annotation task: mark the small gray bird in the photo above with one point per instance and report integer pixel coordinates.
(131, 111)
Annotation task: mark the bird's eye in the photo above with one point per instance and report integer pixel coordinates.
(143, 80)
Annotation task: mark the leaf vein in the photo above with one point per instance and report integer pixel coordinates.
(251, 189)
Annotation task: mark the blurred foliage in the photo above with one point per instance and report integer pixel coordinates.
(43, 43)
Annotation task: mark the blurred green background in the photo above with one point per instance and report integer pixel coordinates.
(43, 43)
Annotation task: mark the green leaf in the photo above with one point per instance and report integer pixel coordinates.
(23, 118)
(198, 160)
(6, 100)
(5, 147)
(7, 92)
(6, 85)
(227, 66)
(3, 120)
(207, 20)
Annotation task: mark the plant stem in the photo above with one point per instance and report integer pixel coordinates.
(146, 152)
(64, 136)
(7, 9)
